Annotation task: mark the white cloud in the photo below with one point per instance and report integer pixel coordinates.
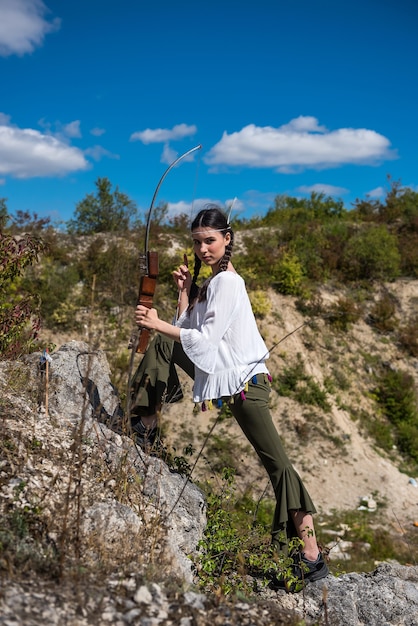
(303, 123)
(26, 153)
(163, 135)
(377, 192)
(98, 152)
(300, 144)
(169, 155)
(23, 26)
(191, 208)
(329, 190)
(175, 209)
(97, 132)
(255, 199)
(61, 131)
(72, 129)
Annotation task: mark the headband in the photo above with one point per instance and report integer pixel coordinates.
(216, 230)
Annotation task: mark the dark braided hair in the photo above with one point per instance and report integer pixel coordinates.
(210, 218)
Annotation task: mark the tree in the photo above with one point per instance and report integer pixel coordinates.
(102, 212)
(372, 253)
(318, 207)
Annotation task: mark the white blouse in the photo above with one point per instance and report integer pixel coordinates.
(221, 338)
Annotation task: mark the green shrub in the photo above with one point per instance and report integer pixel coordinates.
(288, 274)
(407, 438)
(395, 392)
(379, 429)
(54, 284)
(294, 382)
(342, 314)
(260, 303)
(408, 246)
(236, 543)
(371, 253)
(408, 336)
(19, 311)
(382, 313)
(396, 395)
(307, 247)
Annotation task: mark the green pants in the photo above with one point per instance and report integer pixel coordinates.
(156, 381)
(254, 417)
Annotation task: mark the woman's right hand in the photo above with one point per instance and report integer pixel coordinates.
(182, 276)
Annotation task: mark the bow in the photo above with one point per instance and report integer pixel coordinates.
(149, 260)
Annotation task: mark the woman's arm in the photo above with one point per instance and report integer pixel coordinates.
(201, 346)
(148, 318)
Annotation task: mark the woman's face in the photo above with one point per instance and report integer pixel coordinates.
(209, 245)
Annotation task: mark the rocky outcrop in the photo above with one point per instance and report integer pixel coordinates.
(386, 597)
(84, 409)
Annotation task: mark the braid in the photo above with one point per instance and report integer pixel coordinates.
(194, 289)
(223, 264)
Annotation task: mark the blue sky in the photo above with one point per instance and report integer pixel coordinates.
(284, 97)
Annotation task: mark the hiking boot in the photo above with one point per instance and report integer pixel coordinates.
(309, 571)
(302, 571)
(145, 437)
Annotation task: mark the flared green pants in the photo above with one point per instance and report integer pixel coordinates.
(156, 381)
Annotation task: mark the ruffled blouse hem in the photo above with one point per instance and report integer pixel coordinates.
(226, 384)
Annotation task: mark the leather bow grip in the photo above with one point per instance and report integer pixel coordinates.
(147, 287)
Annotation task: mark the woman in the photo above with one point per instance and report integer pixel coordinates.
(218, 333)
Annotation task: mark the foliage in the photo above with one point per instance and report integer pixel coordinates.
(396, 394)
(102, 212)
(408, 336)
(54, 284)
(400, 205)
(180, 224)
(236, 544)
(19, 320)
(318, 207)
(113, 266)
(260, 303)
(16, 253)
(408, 246)
(259, 255)
(343, 313)
(381, 431)
(307, 246)
(371, 253)
(382, 314)
(288, 274)
(23, 221)
(294, 382)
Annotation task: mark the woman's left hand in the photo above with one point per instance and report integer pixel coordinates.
(146, 318)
